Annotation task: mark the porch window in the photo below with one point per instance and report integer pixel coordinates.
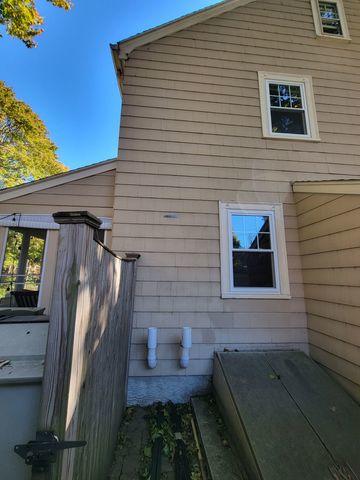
(287, 107)
(253, 252)
(329, 19)
(22, 267)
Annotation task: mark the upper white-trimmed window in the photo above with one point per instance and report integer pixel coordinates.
(253, 251)
(330, 19)
(287, 106)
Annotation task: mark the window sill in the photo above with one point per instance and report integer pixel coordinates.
(292, 138)
(322, 37)
(268, 296)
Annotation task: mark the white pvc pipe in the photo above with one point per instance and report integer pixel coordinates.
(152, 344)
(185, 347)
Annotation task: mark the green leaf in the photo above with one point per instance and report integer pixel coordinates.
(147, 451)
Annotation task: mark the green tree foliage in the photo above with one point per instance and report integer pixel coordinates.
(21, 19)
(26, 151)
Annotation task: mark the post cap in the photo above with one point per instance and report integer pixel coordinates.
(77, 217)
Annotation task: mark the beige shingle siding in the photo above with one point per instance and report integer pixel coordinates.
(329, 230)
(191, 136)
(95, 194)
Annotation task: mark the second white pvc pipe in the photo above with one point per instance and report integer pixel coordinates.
(185, 347)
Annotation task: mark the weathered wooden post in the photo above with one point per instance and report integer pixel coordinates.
(86, 365)
(75, 236)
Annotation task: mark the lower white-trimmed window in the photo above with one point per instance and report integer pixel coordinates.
(253, 251)
(287, 106)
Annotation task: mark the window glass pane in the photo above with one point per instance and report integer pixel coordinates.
(246, 229)
(274, 89)
(253, 269)
(328, 10)
(236, 240)
(296, 102)
(295, 91)
(285, 96)
(245, 240)
(250, 223)
(330, 18)
(284, 91)
(264, 241)
(274, 101)
(288, 121)
(21, 270)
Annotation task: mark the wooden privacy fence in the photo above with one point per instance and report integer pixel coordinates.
(86, 364)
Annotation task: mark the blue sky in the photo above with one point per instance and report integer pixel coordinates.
(69, 79)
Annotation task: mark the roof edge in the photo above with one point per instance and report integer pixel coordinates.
(123, 48)
(58, 179)
(349, 186)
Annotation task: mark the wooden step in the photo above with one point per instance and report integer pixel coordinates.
(221, 459)
(288, 418)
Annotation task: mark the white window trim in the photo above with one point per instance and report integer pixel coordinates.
(275, 212)
(3, 238)
(318, 25)
(43, 269)
(310, 111)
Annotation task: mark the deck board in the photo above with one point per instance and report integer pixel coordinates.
(281, 440)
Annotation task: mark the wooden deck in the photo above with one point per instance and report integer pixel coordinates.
(288, 418)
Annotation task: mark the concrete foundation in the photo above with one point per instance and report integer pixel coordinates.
(147, 390)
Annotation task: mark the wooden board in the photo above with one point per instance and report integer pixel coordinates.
(282, 442)
(331, 412)
(221, 460)
(86, 365)
(133, 437)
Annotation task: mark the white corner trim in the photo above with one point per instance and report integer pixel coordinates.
(342, 17)
(310, 108)
(126, 46)
(44, 221)
(282, 290)
(56, 180)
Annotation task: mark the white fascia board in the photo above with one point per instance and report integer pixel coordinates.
(125, 47)
(56, 180)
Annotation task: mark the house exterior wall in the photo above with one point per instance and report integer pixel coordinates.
(329, 232)
(190, 137)
(95, 194)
